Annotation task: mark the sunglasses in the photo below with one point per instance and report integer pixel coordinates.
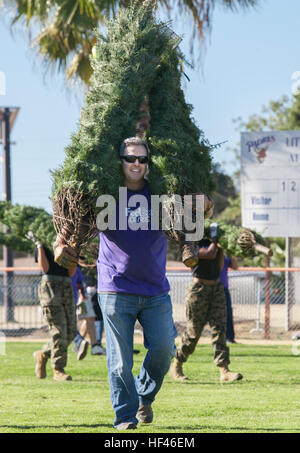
(132, 159)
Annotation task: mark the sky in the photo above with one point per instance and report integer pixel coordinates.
(249, 60)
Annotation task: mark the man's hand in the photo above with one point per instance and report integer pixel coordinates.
(64, 255)
(81, 307)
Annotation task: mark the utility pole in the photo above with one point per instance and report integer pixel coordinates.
(7, 119)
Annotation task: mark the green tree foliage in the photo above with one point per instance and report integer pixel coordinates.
(64, 32)
(232, 213)
(124, 66)
(274, 116)
(16, 243)
(20, 219)
(293, 117)
(138, 59)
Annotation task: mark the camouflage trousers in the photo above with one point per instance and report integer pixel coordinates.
(57, 302)
(205, 303)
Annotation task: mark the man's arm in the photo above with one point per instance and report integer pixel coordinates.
(42, 259)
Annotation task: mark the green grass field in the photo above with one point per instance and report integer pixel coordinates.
(266, 401)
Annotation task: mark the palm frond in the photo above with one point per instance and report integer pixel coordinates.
(66, 26)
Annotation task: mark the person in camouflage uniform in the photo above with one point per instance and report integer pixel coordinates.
(206, 302)
(57, 303)
(58, 306)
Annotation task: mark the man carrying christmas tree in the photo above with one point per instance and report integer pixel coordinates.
(132, 285)
(205, 302)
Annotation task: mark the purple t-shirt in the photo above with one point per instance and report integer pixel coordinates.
(77, 279)
(224, 272)
(133, 262)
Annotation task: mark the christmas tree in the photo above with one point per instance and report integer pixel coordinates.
(20, 219)
(137, 63)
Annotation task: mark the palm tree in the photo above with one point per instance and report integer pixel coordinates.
(66, 33)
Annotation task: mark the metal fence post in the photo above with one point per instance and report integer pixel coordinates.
(267, 300)
(257, 328)
(286, 280)
(7, 253)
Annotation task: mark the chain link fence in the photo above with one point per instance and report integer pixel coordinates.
(265, 302)
(20, 312)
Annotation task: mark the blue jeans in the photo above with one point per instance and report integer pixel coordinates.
(120, 313)
(99, 331)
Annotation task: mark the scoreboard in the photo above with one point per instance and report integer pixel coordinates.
(270, 182)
